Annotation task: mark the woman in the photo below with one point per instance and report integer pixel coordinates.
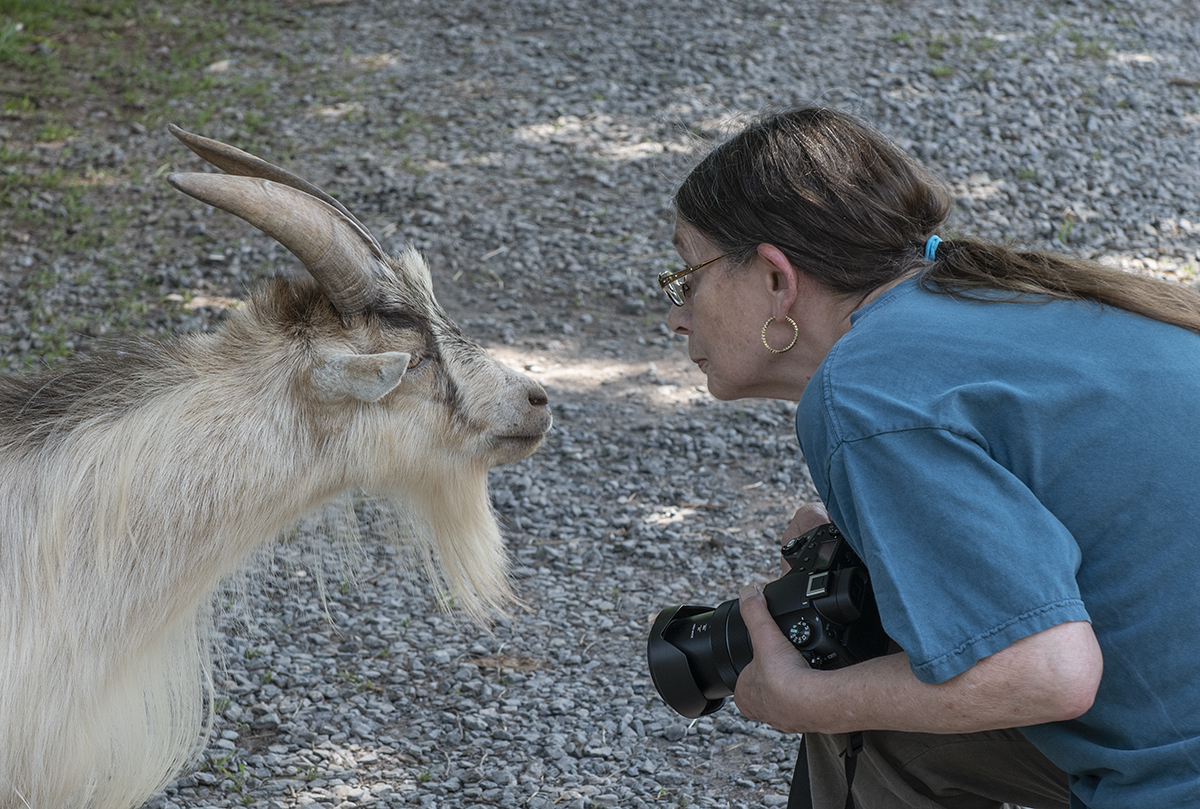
(1009, 441)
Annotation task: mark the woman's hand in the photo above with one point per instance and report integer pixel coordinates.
(807, 517)
(768, 688)
(769, 682)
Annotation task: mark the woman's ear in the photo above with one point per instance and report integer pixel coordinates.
(782, 278)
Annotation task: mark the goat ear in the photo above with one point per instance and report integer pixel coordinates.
(366, 377)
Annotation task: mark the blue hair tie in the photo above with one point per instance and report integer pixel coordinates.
(931, 247)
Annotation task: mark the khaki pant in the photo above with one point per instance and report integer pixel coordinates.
(931, 771)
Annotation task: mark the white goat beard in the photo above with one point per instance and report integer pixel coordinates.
(460, 550)
(464, 548)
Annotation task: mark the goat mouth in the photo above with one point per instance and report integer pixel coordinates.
(530, 438)
(517, 444)
(511, 448)
(523, 436)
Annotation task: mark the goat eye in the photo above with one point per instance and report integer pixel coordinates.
(417, 361)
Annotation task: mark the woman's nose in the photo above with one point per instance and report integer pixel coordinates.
(678, 320)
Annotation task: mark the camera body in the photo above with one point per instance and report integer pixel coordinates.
(819, 612)
(824, 605)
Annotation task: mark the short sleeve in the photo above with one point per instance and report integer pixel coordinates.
(964, 559)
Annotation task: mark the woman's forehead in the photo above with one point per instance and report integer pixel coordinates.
(687, 237)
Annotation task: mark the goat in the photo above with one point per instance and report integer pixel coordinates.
(133, 482)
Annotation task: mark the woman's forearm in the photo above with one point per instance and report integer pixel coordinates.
(1046, 677)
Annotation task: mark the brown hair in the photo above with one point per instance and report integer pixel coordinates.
(853, 211)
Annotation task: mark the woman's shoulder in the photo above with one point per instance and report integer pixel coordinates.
(917, 357)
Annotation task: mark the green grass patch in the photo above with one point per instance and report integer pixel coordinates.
(1087, 48)
(81, 80)
(80, 74)
(140, 54)
(52, 132)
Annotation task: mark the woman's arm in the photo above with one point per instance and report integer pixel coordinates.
(1046, 677)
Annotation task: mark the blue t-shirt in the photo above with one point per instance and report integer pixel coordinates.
(1006, 467)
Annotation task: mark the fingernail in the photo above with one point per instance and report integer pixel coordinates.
(749, 591)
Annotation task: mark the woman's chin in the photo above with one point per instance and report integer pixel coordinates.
(723, 392)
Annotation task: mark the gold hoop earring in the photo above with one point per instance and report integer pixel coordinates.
(795, 335)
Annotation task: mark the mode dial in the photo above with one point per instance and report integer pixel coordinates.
(800, 633)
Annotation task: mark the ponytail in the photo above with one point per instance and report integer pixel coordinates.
(964, 267)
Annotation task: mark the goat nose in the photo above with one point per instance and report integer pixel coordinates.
(537, 396)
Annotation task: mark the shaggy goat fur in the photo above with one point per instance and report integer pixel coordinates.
(131, 484)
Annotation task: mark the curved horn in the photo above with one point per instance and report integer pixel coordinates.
(320, 235)
(232, 160)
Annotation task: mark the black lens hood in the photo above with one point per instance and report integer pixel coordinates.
(670, 671)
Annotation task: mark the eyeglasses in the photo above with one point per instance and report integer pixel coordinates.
(672, 280)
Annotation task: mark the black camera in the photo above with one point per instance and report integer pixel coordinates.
(824, 604)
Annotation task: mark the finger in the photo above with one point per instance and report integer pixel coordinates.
(806, 518)
(765, 636)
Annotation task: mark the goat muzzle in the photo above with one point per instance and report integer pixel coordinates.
(522, 432)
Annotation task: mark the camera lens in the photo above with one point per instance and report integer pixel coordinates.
(696, 654)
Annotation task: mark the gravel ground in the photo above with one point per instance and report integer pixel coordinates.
(530, 149)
